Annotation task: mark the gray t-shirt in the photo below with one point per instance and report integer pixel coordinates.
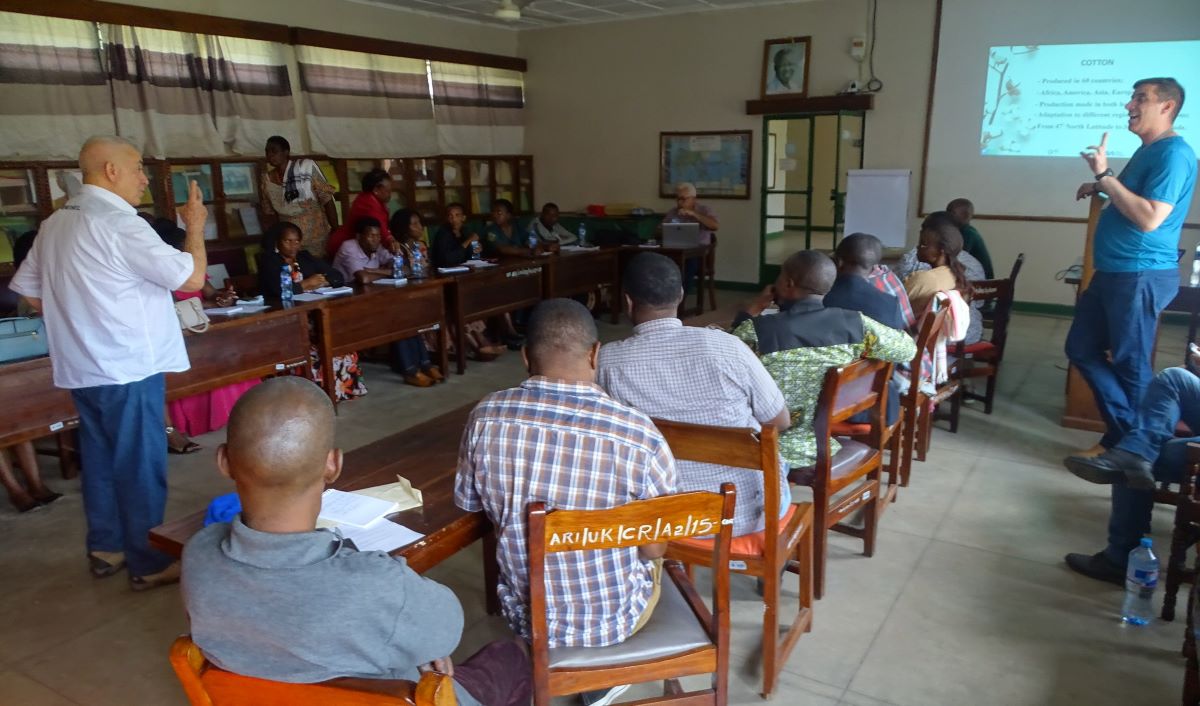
(309, 607)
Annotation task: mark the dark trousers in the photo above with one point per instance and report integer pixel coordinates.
(1118, 315)
(123, 450)
(500, 674)
(1173, 396)
(410, 355)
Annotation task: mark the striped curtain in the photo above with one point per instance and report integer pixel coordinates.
(193, 95)
(479, 110)
(365, 105)
(55, 91)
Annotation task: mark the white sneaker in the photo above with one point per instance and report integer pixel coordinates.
(601, 697)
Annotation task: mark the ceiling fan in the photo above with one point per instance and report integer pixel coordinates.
(511, 9)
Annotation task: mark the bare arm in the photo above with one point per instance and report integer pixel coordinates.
(34, 303)
(652, 551)
(783, 420)
(1147, 215)
(194, 214)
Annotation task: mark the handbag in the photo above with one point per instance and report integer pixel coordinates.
(191, 315)
(22, 338)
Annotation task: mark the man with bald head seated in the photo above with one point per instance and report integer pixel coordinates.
(271, 596)
(558, 438)
(695, 375)
(102, 279)
(805, 339)
(856, 256)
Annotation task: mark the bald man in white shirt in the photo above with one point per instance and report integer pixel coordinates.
(103, 279)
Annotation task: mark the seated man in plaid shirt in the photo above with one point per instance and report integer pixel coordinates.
(694, 375)
(559, 439)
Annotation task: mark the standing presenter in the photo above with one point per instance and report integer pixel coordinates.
(1134, 255)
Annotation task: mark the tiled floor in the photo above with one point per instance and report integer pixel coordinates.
(965, 602)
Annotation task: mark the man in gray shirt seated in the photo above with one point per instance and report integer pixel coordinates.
(271, 596)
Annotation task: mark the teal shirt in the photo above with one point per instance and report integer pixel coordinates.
(1164, 171)
(973, 244)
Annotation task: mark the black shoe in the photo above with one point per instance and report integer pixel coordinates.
(1096, 566)
(1113, 466)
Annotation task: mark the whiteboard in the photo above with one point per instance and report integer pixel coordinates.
(877, 203)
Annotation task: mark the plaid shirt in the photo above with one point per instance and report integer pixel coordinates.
(700, 376)
(886, 281)
(574, 448)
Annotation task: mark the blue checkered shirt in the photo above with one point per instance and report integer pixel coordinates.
(574, 448)
(699, 376)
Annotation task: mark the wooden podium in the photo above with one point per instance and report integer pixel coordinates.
(1080, 411)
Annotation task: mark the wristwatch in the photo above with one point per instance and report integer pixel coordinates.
(1106, 172)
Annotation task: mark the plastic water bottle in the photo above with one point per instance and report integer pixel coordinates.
(1141, 578)
(533, 239)
(285, 286)
(582, 234)
(1195, 278)
(476, 249)
(398, 266)
(416, 262)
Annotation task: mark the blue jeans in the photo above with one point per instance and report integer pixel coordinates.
(123, 449)
(1118, 314)
(409, 356)
(1173, 396)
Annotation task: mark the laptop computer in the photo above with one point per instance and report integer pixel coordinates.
(680, 235)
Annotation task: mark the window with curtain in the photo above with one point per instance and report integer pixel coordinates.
(365, 105)
(478, 109)
(185, 94)
(55, 89)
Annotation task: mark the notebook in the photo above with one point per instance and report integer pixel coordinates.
(354, 509)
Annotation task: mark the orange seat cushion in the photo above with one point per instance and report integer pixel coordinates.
(748, 544)
(849, 429)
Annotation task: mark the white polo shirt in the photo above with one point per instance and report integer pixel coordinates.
(105, 280)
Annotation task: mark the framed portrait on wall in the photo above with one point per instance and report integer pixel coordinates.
(718, 163)
(785, 67)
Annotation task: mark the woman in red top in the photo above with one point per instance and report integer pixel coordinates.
(371, 203)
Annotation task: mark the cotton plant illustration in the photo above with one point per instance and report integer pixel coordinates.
(1004, 103)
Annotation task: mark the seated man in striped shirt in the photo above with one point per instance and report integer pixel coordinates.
(694, 375)
(559, 439)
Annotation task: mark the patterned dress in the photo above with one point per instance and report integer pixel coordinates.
(307, 214)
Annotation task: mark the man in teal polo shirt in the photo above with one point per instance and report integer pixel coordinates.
(1136, 238)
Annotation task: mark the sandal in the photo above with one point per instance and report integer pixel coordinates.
(104, 564)
(188, 446)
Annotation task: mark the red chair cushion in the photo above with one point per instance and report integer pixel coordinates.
(849, 429)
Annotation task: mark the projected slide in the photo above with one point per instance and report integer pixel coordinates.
(1055, 100)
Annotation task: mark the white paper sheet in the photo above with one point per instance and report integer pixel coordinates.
(383, 536)
(453, 270)
(391, 281)
(353, 508)
(308, 297)
(223, 310)
(334, 291)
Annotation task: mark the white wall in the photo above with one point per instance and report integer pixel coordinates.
(598, 96)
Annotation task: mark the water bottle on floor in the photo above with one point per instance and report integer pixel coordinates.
(1141, 578)
(285, 286)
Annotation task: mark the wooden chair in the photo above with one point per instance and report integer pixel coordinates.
(682, 636)
(847, 481)
(1185, 532)
(710, 275)
(915, 405)
(1191, 673)
(754, 555)
(209, 685)
(982, 359)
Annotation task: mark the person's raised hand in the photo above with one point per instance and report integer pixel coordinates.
(1086, 189)
(765, 299)
(1097, 155)
(193, 213)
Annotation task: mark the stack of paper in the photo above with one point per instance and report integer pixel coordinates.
(252, 301)
(334, 291)
(391, 281)
(480, 264)
(453, 270)
(361, 516)
(354, 508)
(382, 536)
(223, 310)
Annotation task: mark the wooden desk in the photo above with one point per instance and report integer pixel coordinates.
(378, 314)
(680, 256)
(491, 291)
(572, 272)
(427, 455)
(33, 406)
(242, 347)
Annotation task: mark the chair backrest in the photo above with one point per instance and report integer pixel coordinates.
(634, 524)
(999, 291)
(1016, 269)
(740, 447)
(870, 378)
(208, 685)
